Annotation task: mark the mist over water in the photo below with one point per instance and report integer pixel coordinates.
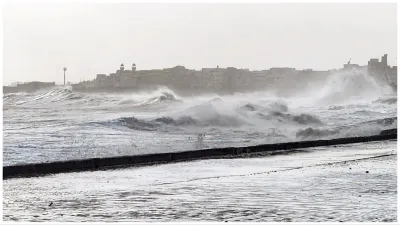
(330, 182)
(58, 123)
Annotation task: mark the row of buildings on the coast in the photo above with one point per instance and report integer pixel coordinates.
(27, 87)
(213, 79)
(180, 77)
(222, 79)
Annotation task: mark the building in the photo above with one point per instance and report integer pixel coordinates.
(351, 66)
(28, 87)
(121, 78)
(382, 71)
(212, 77)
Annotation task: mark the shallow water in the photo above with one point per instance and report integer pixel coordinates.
(318, 184)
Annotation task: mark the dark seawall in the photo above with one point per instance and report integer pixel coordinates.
(29, 170)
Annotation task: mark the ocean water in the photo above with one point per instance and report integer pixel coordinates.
(342, 183)
(59, 124)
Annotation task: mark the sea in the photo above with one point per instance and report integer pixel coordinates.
(342, 183)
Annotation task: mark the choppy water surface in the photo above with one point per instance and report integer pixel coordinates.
(324, 184)
(320, 184)
(58, 124)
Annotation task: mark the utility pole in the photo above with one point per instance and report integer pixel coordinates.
(65, 69)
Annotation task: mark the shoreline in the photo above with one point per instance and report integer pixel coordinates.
(312, 185)
(94, 164)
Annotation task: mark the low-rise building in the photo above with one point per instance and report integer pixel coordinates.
(28, 87)
(382, 71)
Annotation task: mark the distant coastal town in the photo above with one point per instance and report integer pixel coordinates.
(219, 80)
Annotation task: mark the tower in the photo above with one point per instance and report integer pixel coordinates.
(122, 68)
(133, 67)
(65, 69)
(384, 60)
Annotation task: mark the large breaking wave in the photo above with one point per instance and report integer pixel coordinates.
(348, 103)
(344, 87)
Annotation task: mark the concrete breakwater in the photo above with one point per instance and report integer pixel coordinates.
(29, 170)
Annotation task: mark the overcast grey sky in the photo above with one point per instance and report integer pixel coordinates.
(40, 39)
